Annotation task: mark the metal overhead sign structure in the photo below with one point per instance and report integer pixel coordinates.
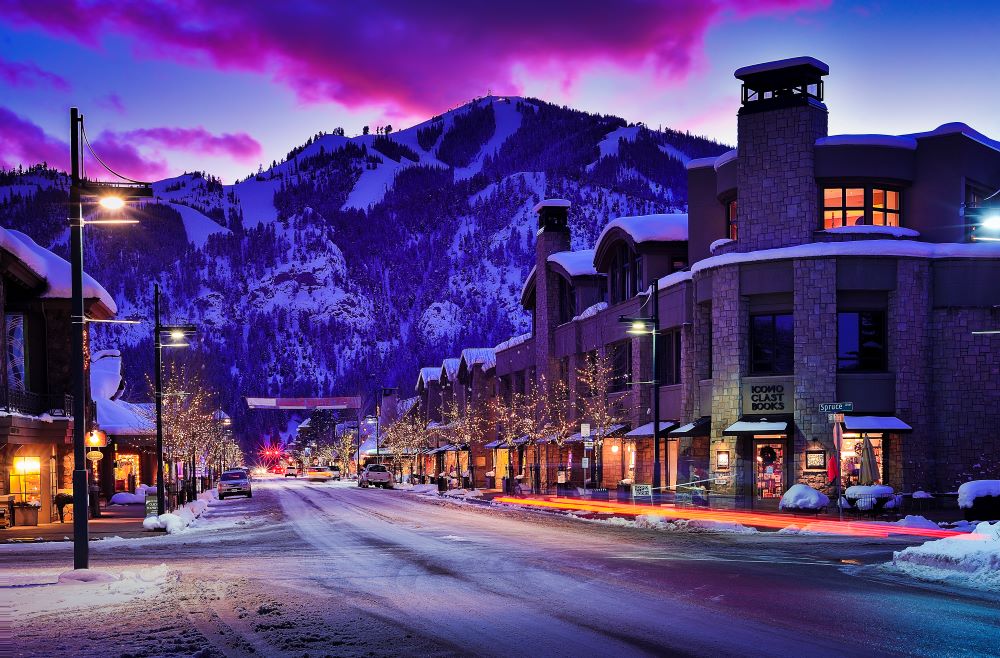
(280, 404)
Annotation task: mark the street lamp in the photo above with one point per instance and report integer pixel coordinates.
(158, 345)
(651, 326)
(112, 197)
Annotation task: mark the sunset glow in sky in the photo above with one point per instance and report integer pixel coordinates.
(222, 86)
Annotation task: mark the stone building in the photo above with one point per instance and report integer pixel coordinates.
(810, 269)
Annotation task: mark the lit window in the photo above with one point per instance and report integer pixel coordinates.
(731, 220)
(25, 479)
(855, 206)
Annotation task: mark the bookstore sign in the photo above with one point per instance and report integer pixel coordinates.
(771, 395)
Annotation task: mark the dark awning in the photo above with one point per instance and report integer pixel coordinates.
(755, 425)
(493, 445)
(610, 431)
(864, 424)
(646, 431)
(699, 427)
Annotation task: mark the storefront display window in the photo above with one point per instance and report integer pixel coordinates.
(770, 469)
(26, 479)
(851, 455)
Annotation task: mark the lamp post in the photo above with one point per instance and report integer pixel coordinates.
(112, 197)
(177, 334)
(651, 325)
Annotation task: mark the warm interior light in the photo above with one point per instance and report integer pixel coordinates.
(112, 202)
(27, 465)
(614, 449)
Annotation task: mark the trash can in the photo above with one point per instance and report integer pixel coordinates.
(442, 484)
(491, 482)
(25, 514)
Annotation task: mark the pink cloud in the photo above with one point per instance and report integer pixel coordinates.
(238, 146)
(28, 74)
(410, 56)
(135, 154)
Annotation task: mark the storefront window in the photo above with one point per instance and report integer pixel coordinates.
(771, 344)
(26, 479)
(769, 473)
(17, 372)
(851, 454)
(861, 341)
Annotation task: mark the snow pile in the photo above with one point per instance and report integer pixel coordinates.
(137, 498)
(915, 521)
(972, 559)
(656, 522)
(86, 588)
(866, 495)
(177, 521)
(463, 493)
(921, 495)
(420, 488)
(803, 497)
(968, 492)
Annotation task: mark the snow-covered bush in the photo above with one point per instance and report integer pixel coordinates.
(970, 491)
(973, 559)
(803, 497)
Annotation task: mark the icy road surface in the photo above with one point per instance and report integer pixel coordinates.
(329, 569)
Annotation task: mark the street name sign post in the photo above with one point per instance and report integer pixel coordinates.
(835, 414)
(835, 407)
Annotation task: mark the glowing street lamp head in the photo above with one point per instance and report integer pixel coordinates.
(177, 335)
(112, 202)
(992, 222)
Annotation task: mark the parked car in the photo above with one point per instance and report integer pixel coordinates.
(318, 473)
(234, 483)
(336, 472)
(375, 475)
(291, 471)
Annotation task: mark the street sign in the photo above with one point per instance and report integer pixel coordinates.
(585, 463)
(588, 445)
(585, 430)
(835, 407)
(642, 491)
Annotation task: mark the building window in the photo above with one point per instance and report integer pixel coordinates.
(669, 344)
(17, 371)
(731, 220)
(856, 206)
(861, 341)
(771, 344)
(567, 301)
(625, 275)
(26, 479)
(621, 365)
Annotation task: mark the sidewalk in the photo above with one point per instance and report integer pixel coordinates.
(115, 521)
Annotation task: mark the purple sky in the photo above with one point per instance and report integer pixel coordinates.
(170, 85)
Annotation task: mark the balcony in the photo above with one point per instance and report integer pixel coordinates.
(36, 404)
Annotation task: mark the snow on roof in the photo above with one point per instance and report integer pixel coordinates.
(701, 162)
(483, 356)
(576, 263)
(106, 374)
(651, 228)
(779, 64)
(551, 203)
(512, 342)
(528, 281)
(428, 375)
(728, 156)
(591, 311)
(892, 141)
(52, 268)
(958, 128)
(647, 430)
(449, 368)
(895, 231)
(719, 243)
(673, 278)
(762, 426)
(116, 416)
(405, 405)
(881, 248)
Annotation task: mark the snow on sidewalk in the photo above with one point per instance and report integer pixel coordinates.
(53, 591)
(174, 522)
(655, 522)
(972, 560)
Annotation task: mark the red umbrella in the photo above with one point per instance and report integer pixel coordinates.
(832, 469)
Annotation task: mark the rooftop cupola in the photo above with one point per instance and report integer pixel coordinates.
(553, 215)
(783, 83)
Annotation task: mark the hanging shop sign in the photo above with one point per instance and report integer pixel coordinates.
(95, 455)
(771, 395)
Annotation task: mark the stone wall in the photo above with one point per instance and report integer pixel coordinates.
(776, 176)
(815, 317)
(729, 361)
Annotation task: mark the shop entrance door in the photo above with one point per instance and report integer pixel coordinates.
(769, 470)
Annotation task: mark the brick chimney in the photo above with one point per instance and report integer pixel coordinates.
(781, 117)
(552, 237)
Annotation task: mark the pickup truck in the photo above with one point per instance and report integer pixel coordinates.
(375, 475)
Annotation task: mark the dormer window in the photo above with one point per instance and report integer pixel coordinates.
(857, 206)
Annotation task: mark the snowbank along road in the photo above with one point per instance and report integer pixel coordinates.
(329, 569)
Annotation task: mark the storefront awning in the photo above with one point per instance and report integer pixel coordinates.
(875, 424)
(700, 427)
(605, 432)
(756, 426)
(646, 431)
(493, 445)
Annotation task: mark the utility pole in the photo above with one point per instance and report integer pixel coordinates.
(158, 395)
(81, 544)
(655, 319)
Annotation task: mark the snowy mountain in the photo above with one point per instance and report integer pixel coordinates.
(354, 261)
